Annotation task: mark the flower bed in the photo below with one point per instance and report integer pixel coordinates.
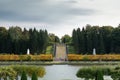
(105, 57)
(42, 57)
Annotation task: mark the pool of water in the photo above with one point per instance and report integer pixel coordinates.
(61, 72)
(64, 72)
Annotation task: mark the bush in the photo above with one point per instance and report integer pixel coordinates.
(7, 72)
(99, 75)
(105, 57)
(42, 57)
(28, 58)
(34, 76)
(23, 76)
(90, 73)
(115, 73)
(87, 73)
(40, 71)
(117, 68)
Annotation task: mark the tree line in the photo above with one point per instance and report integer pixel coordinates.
(105, 39)
(17, 41)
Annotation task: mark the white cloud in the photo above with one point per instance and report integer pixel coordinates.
(59, 16)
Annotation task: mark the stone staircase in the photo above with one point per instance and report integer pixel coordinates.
(60, 54)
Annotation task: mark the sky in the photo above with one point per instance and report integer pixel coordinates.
(59, 16)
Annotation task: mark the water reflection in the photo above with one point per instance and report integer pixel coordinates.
(64, 72)
(61, 72)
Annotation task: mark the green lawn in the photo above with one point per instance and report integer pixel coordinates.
(49, 50)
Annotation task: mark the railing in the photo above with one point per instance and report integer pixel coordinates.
(54, 50)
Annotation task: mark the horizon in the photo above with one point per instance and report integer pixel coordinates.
(59, 16)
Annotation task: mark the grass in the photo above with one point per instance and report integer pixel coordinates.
(49, 50)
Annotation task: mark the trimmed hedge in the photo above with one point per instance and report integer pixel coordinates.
(42, 57)
(105, 57)
(49, 57)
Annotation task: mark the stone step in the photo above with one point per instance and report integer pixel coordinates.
(60, 52)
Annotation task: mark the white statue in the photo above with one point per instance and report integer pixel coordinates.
(28, 51)
(94, 51)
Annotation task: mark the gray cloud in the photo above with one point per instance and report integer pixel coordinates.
(59, 16)
(47, 11)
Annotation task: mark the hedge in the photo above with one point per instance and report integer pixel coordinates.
(42, 57)
(105, 57)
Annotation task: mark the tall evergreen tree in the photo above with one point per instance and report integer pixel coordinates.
(116, 40)
(3, 38)
(99, 75)
(83, 41)
(101, 45)
(34, 76)
(75, 40)
(23, 76)
(89, 39)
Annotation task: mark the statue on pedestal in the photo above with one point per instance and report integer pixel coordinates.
(94, 51)
(28, 51)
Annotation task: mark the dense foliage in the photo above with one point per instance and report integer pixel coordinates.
(104, 39)
(95, 72)
(13, 72)
(29, 70)
(34, 76)
(17, 41)
(7, 72)
(23, 76)
(99, 75)
(66, 39)
(53, 38)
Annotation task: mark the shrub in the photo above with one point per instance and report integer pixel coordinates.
(40, 71)
(87, 73)
(28, 58)
(34, 76)
(117, 68)
(105, 57)
(91, 72)
(85, 58)
(115, 73)
(7, 72)
(23, 76)
(99, 75)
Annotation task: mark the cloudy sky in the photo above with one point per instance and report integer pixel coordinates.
(59, 16)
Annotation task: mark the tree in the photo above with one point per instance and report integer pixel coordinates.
(16, 35)
(3, 39)
(53, 38)
(75, 40)
(34, 76)
(23, 76)
(38, 41)
(104, 39)
(101, 44)
(106, 32)
(116, 40)
(66, 39)
(99, 75)
(88, 39)
(24, 41)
